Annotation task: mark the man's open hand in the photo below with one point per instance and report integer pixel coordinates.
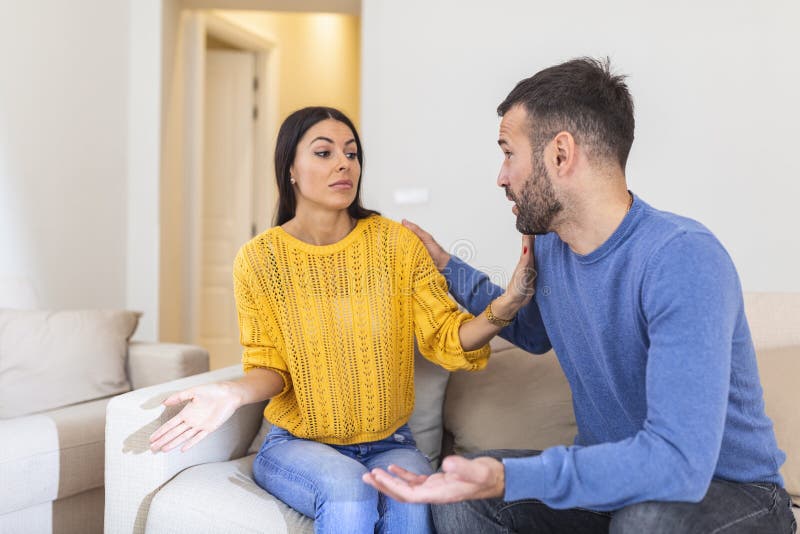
(459, 480)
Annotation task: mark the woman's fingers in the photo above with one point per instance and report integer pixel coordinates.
(193, 441)
(167, 440)
(166, 427)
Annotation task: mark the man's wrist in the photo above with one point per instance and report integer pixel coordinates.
(500, 486)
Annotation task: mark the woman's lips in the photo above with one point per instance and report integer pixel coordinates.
(344, 184)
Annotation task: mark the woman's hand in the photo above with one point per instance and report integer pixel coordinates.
(523, 282)
(209, 406)
(522, 285)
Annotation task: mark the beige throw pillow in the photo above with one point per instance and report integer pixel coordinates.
(519, 401)
(779, 369)
(50, 359)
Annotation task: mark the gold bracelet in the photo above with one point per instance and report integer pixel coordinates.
(495, 320)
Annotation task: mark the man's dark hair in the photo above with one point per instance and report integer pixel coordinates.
(581, 97)
(289, 135)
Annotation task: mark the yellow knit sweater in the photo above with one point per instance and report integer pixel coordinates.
(338, 323)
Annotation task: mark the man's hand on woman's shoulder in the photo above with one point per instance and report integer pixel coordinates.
(438, 254)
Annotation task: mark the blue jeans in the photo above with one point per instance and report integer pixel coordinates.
(324, 482)
(727, 508)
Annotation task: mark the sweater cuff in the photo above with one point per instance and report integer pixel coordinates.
(450, 270)
(524, 478)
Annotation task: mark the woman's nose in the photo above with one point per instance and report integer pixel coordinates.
(344, 162)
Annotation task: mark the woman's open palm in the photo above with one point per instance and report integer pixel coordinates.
(209, 406)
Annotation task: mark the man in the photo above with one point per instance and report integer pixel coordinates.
(644, 310)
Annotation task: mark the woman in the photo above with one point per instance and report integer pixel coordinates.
(329, 302)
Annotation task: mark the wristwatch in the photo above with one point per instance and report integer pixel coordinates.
(495, 320)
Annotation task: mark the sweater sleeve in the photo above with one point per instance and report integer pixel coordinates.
(690, 297)
(474, 290)
(437, 318)
(258, 350)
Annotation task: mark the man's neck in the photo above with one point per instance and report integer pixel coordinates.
(591, 220)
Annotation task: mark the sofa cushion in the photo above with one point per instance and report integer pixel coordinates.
(519, 401)
(779, 369)
(430, 382)
(222, 497)
(50, 359)
(51, 455)
(773, 319)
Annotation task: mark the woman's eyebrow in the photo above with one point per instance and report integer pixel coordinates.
(329, 140)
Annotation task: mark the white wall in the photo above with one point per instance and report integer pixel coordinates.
(63, 149)
(714, 84)
(144, 103)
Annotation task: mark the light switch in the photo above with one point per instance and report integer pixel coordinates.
(411, 195)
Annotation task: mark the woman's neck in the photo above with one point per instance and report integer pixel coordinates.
(320, 228)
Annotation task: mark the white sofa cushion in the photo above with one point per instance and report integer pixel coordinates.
(222, 497)
(52, 455)
(50, 359)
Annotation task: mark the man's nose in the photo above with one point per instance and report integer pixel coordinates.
(502, 178)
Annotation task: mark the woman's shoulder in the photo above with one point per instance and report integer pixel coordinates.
(393, 228)
(261, 244)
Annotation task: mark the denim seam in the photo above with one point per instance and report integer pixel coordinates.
(739, 520)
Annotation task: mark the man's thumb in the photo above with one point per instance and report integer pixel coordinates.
(459, 466)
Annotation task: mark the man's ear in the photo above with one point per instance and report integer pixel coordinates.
(564, 156)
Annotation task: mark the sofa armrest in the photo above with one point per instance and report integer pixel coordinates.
(153, 363)
(133, 473)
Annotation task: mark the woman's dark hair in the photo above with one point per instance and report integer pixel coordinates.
(292, 130)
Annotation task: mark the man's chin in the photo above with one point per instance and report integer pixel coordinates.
(526, 229)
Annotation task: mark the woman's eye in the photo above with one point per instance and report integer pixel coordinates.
(323, 153)
(351, 155)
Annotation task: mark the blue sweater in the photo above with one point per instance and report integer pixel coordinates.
(651, 334)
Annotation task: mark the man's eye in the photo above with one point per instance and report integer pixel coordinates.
(351, 155)
(508, 154)
(323, 153)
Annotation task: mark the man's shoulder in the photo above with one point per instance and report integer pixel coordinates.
(658, 230)
(667, 224)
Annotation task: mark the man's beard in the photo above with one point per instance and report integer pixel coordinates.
(537, 204)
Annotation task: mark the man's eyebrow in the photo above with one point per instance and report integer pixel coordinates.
(502, 142)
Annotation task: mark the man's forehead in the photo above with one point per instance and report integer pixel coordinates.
(513, 122)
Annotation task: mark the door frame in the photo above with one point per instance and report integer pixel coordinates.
(198, 25)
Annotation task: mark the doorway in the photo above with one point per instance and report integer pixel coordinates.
(300, 59)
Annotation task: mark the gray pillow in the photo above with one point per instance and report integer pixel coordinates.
(50, 359)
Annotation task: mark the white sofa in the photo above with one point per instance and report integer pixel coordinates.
(519, 401)
(51, 463)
